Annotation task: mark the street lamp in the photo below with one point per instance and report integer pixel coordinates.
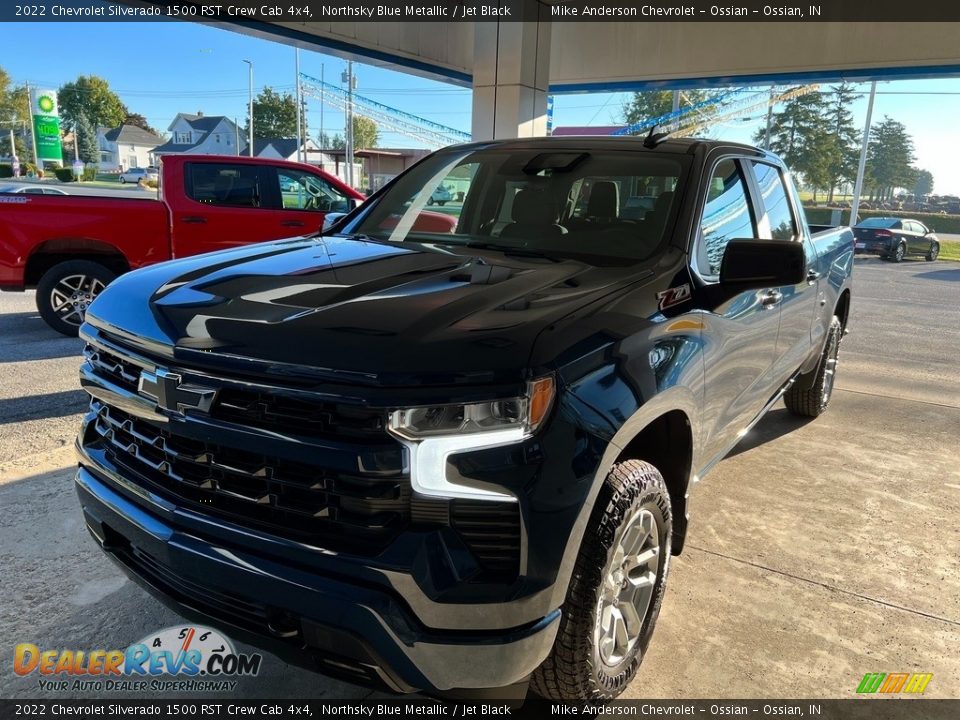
(250, 119)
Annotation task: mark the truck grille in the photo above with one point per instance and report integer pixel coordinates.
(270, 409)
(287, 498)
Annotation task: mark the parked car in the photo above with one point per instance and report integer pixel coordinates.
(135, 175)
(459, 459)
(69, 248)
(894, 238)
(30, 190)
(441, 196)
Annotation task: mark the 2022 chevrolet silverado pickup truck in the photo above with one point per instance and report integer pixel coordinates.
(459, 460)
(69, 248)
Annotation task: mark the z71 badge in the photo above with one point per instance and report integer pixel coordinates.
(673, 296)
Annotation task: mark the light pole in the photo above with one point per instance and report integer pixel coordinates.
(250, 118)
(299, 109)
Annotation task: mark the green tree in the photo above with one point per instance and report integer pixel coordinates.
(843, 163)
(889, 159)
(14, 115)
(800, 134)
(139, 121)
(923, 184)
(274, 115)
(87, 140)
(90, 96)
(326, 141)
(650, 104)
(366, 134)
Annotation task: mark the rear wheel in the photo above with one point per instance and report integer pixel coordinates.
(933, 252)
(122, 180)
(814, 399)
(898, 252)
(66, 290)
(616, 589)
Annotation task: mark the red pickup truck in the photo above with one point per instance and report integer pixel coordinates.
(69, 248)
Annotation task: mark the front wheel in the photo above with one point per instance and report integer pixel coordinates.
(933, 252)
(810, 397)
(616, 589)
(66, 290)
(122, 180)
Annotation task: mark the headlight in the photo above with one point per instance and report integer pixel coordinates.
(432, 434)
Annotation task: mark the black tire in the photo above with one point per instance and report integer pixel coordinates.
(65, 291)
(898, 252)
(933, 252)
(441, 203)
(575, 670)
(122, 181)
(430, 201)
(813, 401)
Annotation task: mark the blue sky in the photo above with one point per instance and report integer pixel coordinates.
(160, 69)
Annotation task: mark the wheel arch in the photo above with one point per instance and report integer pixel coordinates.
(53, 252)
(842, 308)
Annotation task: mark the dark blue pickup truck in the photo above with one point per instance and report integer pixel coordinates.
(451, 461)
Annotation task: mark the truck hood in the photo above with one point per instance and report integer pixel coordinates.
(371, 312)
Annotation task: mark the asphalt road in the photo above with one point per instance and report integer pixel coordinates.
(818, 551)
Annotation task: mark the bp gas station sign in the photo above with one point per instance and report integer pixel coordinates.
(46, 125)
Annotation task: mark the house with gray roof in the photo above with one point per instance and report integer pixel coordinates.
(128, 146)
(280, 148)
(203, 135)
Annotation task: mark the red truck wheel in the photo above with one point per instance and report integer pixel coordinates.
(67, 289)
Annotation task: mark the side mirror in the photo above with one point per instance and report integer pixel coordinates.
(330, 219)
(757, 264)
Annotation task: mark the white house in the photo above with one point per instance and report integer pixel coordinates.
(202, 135)
(126, 146)
(281, 148)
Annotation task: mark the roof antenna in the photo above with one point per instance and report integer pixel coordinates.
(654, 138)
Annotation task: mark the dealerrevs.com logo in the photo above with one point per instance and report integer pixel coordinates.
(199, 659)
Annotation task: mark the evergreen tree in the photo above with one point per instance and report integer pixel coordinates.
(924, 184)
(86, 140)
(843, 164)
(889, 159)
(800, 134)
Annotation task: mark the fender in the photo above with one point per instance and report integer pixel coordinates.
(674, 398)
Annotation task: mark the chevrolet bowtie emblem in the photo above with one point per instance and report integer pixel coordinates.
(171, 394)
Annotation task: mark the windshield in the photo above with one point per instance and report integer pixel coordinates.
(599, 207)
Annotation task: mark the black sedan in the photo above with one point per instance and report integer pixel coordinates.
(895, 238)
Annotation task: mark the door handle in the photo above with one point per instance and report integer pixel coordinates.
(292, 223)
(771, 299)
(812, 277)
(193, 219)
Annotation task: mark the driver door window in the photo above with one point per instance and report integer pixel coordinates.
(727, 215)
(301, 190)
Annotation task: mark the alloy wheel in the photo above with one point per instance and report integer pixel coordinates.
(628, 582)
(71, 297)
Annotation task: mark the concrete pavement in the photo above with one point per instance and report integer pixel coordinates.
(818, 551)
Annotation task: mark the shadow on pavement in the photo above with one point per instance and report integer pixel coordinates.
(951, 275)
(774, 425)
(62, 592)
(37, 407)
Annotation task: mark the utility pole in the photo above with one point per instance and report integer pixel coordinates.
(299, 109)
(323, 143)
(858, 186)
(236, 127)
(348, 78)
(675, 124)
(76, 147)
(766, 135)
(250, 119)
(33, 130)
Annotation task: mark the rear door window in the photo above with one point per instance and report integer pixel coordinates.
(776, 203)
(232, 185)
